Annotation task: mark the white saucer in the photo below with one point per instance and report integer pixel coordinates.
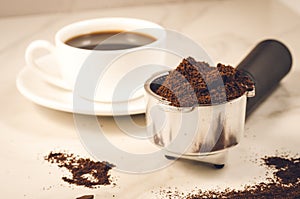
(49, 72)
(40, 92)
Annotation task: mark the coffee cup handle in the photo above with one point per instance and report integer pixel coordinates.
(30, 59)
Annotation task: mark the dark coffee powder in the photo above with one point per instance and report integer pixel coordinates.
(193, 83)
(285, 184)
(287, 171)
(84, 172)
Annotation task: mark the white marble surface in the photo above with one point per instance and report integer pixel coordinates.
(27, 7)
(227, 29)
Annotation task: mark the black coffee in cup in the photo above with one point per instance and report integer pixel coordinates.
(110, 40)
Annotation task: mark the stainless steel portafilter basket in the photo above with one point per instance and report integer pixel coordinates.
(206, 132)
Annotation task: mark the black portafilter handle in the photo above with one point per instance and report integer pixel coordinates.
(266, 64)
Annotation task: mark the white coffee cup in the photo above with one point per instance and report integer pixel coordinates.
(71, 59)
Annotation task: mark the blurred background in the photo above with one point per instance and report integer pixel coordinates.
(25, 7)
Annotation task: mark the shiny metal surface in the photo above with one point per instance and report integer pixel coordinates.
(202, 133)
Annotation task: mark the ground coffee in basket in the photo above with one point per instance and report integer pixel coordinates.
(193, 83)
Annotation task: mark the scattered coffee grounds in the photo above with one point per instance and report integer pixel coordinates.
(86, 197)
(287, 170)
(84, 172)
(262, 191)
(285, 184)
(193, 83)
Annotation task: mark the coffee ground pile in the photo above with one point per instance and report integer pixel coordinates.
(84, 172)
(193, 83)
(285, 184)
